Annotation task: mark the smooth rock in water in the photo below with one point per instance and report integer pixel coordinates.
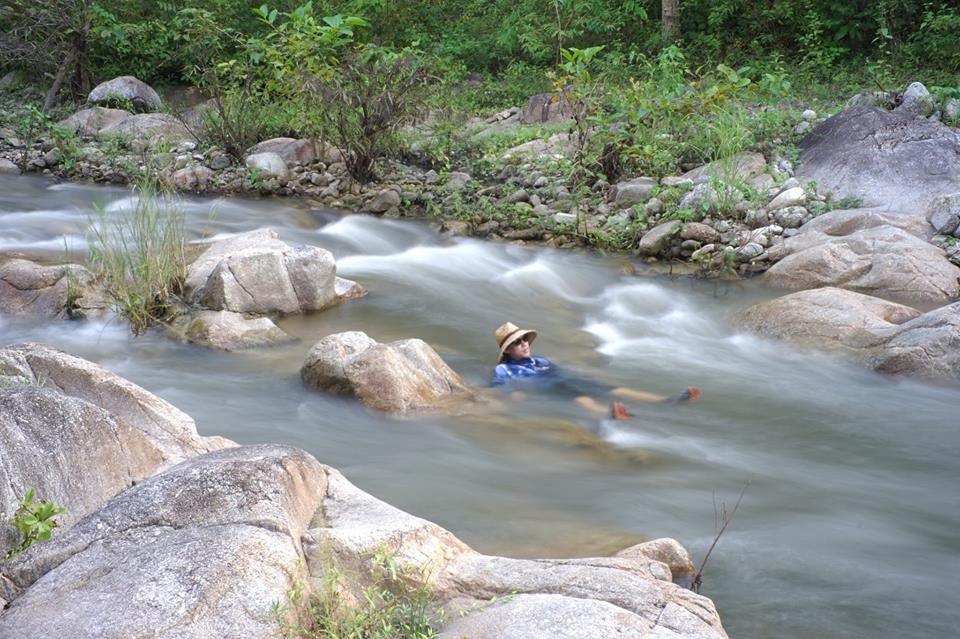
(790, 197)
(256, 272)
(192, 178)
(226, 331)
(742, 166)
(668, 552)
(126, 91)
(944, 214)
(150, 128)
(290, 150)
(8, 168)
(27, 288)
(399, 377)
(384, 201)
(699, 232)
(928, 346)
(658, 239)
(205, 549)
(881, 260)
(89, 122)
(635, 191)
(888, 159)
(266, 166)
(826, 318)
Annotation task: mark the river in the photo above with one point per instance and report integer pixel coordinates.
(850, 516)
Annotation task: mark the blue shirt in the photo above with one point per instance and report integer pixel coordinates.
(525, 368)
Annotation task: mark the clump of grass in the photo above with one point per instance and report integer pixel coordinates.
(140, 257)
(389, 608)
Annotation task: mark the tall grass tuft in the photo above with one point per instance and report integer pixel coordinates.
(140, 256)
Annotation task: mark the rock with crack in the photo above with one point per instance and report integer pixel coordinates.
(204, 549)
(890, 159)
(613, 596)
(61, 291)
(928, 346)
(226, 331)
(400, 377)
(78, 434)
(882, 260)
(256, 272)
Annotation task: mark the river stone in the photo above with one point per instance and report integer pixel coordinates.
(267, 165)
(658, 239)
(944, 214)
(192, 178)
(384, 201)
(790, 217)
(742, 166)
(205, 549)
(667, 551)
(256, 272)
(400, 377)
(826, 318)
(889, 159)
(546, 107)
(89, 122)
(8, 168)
(171, 432)
(883, 261)
(928, 346)
(700, 232)
(226, 331)
(352, 525)
(152, 128)
(290, 150)
(126, 91)
(27, 288)
(788, 198)
(635, 191)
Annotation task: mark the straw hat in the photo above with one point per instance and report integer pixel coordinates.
(508, 333)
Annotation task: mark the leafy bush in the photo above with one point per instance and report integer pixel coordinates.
(34, 520)
(141, 257)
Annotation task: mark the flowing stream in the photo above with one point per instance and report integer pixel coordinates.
(850, 517)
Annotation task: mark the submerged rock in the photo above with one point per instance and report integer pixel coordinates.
(226, 331)
(400, 377)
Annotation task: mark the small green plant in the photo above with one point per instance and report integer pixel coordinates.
(35, 521)
(387, 609)
(141, 257)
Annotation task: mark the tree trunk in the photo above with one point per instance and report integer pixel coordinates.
(59, 80)
(670, 13)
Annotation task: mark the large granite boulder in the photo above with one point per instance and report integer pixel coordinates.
(843, 222)
(399, 377)
(151, 128)
(79, 434)
(171, 432)
(206, 549)
(883, 261)
(890, 159)
(89, 122)
(126, 91)
(826, 318)
(28, 288)
(928, 346)
(622, 596)
(226, 331)
(256, 272)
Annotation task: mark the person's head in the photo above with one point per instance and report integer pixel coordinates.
(514, 342)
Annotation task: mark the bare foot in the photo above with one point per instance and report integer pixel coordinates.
(619, 411)
(692, 394)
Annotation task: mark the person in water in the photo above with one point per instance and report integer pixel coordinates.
(518, 363)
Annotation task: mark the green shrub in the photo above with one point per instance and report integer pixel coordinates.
(140, 257)
(34, 520)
